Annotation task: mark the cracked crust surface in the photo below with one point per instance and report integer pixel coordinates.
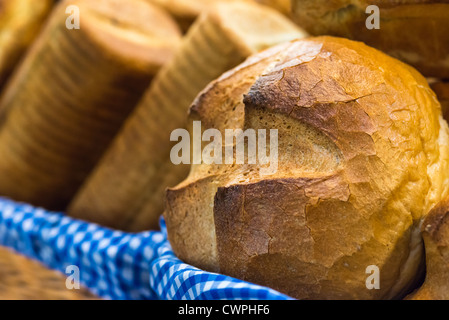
(414, 31)
(361, 137)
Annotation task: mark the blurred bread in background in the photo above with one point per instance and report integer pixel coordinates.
(415, 32)
(441, 88)
(186, 11)
(72, 93)
(25, 279)
(127, 187)
(20, 22)
(283, 6)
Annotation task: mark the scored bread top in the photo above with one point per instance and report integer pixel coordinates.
(363, 156)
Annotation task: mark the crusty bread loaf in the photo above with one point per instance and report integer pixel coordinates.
(435, 231)
(139, 158)
(363, 156)
(20, 22)
(415, 31)
(72, 93)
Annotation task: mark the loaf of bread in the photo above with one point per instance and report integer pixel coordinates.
(415, 31)
(362, 158)
(435, 231)
(20, 22)
(139, 158)
(72, 93)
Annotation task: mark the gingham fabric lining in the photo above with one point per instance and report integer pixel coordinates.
(113, 264)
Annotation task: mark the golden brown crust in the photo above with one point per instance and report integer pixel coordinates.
(353, 178)
(265, 231)
(412, 31)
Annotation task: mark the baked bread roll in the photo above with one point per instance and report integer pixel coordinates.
(20, 22)
(72, 93)
(139, 158)
(410, 30)
(435, 231)
(362, 157)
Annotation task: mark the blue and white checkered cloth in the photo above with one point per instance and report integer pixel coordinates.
(114, 264)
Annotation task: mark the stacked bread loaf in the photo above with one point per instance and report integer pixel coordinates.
(72, 93)
(20, 22)
(139, 158)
